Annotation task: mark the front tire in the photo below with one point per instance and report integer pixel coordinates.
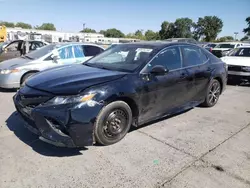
(213, 93)
(113, 123)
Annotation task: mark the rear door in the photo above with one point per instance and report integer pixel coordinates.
(196, 63)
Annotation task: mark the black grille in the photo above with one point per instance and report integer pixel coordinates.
(31, 101)
(234, 68)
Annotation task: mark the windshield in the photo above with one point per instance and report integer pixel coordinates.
(242, 52)
(41, 52)
(225, 46)
(124, 57)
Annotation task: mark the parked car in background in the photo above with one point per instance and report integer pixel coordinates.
(14, 72)
(209, 46)
(19, 47)
(223, 48)
(98, 101)
(187, 40)
(238, 64)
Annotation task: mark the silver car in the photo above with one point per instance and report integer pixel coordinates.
(14, 72)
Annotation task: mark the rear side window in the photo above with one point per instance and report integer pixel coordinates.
(92, 50)
(192, 56)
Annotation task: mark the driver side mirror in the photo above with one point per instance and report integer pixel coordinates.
(159, 70)
(55, 58)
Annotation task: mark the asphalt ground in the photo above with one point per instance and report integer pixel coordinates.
(200, 148)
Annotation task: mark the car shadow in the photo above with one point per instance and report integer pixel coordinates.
(7, 90)
(243, 84)
(15, 124)
(134, 128)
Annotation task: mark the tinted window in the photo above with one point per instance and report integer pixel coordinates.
(78, 50)
(66, 52)
(169, 58)
(225, 46)
(243, 52)
(193, 56)
(91, 50)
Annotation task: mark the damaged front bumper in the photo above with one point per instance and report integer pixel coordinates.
(65, 125)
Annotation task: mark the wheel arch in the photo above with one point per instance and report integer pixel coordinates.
(219, 79)
(28, 72)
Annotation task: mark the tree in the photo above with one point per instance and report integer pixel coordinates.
(7, 24)
(23, 25)
(114, 33)
(151, 35)
(46, 26)
(244, 38)
(102, 32)
(167, 30)
(88, 30)
(209, 27)
(139, 34)
(247, 30)
(224, 39)
(182, 27)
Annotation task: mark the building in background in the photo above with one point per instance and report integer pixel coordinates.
(58, 36)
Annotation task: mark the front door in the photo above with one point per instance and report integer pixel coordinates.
(11, 51)
(159, 94)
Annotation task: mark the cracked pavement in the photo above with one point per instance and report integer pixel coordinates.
(203, 147)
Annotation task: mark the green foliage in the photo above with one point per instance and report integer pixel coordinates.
(7, 24)
(209, 27)
(46, 26)
(88, 30)
(182, 28)
(151, 35)
(23, 25)
(224, 39)
(245, 38)
(247, 30)
(114, 33)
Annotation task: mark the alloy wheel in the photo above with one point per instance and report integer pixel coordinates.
(214, 93)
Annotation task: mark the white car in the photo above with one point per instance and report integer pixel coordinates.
(238, 63)
(223, 48)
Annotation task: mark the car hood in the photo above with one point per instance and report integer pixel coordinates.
(71, 79)
(12, 63)
(234, 60)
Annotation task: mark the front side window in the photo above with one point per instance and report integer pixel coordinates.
(78, 50)
(92, 50)
(124, 57)
(169, 58)
(66, 52)
(193, 56)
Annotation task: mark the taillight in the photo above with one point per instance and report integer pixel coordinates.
(210, 49)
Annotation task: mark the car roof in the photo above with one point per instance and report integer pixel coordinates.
(63, 44)
(158, 43)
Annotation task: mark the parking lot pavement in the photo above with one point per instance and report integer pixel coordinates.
(203, 147)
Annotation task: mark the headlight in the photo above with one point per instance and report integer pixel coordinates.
(7, 71)
(246, 69)
(70, 99)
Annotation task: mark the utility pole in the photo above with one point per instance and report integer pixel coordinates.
(235, 35)
(83, 26)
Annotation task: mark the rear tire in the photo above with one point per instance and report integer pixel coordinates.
(113, 123)
(24, 79)
(213, 93)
